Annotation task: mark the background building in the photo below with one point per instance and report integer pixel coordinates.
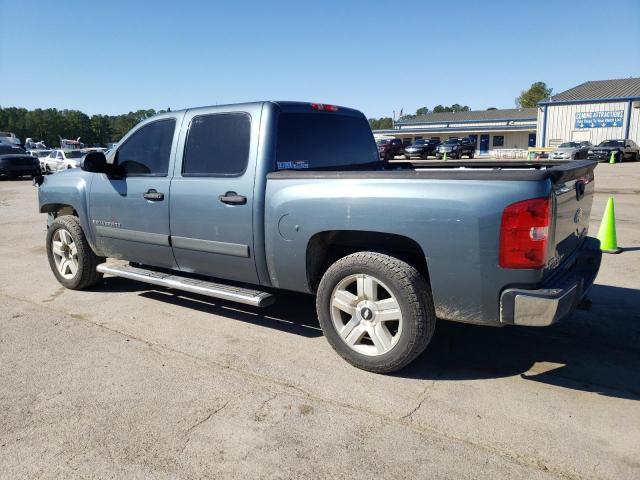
(492, 130)
(594, 111)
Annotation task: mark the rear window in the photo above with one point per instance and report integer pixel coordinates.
(319, 140)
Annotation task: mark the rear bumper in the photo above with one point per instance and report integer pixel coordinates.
(558, 296)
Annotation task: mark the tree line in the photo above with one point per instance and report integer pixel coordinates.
(387, 122)
(49, 124)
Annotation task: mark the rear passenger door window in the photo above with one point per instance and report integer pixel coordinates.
(147, 151)
(217, 145)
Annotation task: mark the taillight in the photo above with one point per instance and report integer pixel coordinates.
(323, 107)
(524, 234)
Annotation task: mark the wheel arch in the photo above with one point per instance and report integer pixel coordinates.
(325, 248)
(59, 209)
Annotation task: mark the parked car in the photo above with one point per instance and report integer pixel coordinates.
(271, 196)
(421, 148)
(571, 151)
(16, 162)
(10, 138)
(41, 155)
(94, 149)
(389, 148)
(62, 159)
(456, 148)
(31, 144)
(623, 149)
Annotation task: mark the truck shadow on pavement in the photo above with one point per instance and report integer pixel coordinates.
(595, 351)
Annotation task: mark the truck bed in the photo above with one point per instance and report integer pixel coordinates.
(556, 171)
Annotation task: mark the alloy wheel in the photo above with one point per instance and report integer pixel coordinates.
(65, 253)
(366, 314)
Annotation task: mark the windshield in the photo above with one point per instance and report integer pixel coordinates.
(611, 143)
(382, 142)
(452, 141)
(419, 142)
(6, 149)
(568, 145)
(74, 154)
(324, 140)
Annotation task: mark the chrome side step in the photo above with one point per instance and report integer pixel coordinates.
(202, 287)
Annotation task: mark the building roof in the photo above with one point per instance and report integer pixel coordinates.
(473, 116)
(600, 90)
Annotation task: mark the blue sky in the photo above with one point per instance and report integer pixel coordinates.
(377, 56)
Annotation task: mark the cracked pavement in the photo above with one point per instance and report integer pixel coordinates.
(127, 381)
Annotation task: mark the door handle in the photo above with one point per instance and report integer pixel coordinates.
(232, 198)
(153, 194)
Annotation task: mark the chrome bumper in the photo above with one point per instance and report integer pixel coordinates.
(558, 296)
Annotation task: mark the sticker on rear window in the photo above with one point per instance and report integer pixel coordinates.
(297, 165)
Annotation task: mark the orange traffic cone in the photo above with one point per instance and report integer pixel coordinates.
(607, 232)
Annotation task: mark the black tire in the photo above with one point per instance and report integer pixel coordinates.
(407, 157)
(86, 275)
(412, 294)
(471, 156)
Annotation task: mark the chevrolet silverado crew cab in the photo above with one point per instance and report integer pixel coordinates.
(240, 201)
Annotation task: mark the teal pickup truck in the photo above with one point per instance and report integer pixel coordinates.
(238, 202)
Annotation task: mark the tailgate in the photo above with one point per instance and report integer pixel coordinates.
(573, 189)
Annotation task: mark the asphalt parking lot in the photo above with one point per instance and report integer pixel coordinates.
(125, 381)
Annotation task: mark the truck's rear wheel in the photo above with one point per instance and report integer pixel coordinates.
(70, 257)
(376, 311)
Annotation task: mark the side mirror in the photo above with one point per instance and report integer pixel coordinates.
(94, 162)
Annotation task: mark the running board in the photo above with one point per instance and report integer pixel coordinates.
(193, 285)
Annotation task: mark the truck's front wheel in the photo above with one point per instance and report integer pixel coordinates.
(70, 256)
(376, 311)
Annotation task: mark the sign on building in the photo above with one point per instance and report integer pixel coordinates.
(610, 118)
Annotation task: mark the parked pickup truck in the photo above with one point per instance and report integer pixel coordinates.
(238, 202)
(390, 148)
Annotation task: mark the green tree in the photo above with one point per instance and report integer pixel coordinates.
(456, 107)
(537, 92)
(101, 128)
(381, 123)
(50, 124)
(422, 111)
